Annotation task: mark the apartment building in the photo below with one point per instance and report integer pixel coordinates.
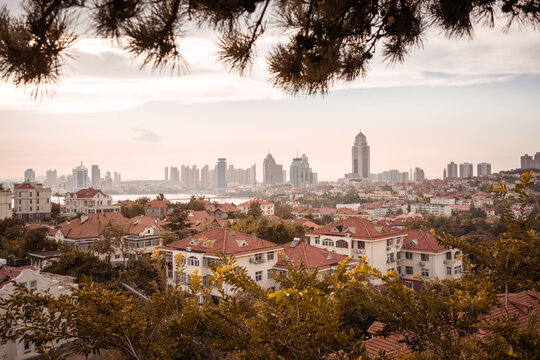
(6, 197)
(433, 209)
(202, 251)
(31, 201)
(88, 201)
(421, 255)
(267, 207)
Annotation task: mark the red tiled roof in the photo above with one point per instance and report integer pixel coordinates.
(225, 241)
(158, 204)
(26, 185)
(425, 242)
(261, 202)
(357, 228)
(226, 208)
(312, 257)
(8, 273)
(86, 193)
(389, 345)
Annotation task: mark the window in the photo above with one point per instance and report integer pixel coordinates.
(456, 254)
(270, 256)
(342, 244)
(425, 272)
(409, 270)
(317, 240)
(327, 242)
(390, 258)
(30, 201)
(206, 280)
(258, 276)
(33, 284)
(398, 241)
(258, 258)
(30, 208)
(399, 270)
(457, 270)
(361, 245)
(20, 202)
(425, 257)
(389, 242)
(193, 261)
(47, 201)
(27, 347)
(37, 201)
(449, 255)
(398, 255)
(408, 255)
(269, 274)
(117, 256)
(37, 193)
(183, 278)
(408, 284)
(30, 194)
(448, 271)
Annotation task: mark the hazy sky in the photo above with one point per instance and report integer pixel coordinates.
(454, 100)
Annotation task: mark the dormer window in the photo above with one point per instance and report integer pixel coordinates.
(413, 242)
(242, 243)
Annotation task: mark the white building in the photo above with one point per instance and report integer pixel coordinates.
(88, 201)
(442, 200)
(267, 207)
(80, 176)
(30, 277)
(433, 209)
(5, 204)
(31, 201)
(29, 175)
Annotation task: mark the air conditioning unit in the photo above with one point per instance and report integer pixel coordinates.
(360, 251)
(188, 249)
(421, 263)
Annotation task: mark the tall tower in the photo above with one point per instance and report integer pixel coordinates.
(360, 157)
(96, 177)
(222, 173)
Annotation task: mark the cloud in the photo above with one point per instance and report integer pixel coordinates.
(146, 135)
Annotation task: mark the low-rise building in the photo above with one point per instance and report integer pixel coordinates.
(6, 197)
(267, 207)
(433, 209)
(158, 209)
(32, 202)
(88, 201)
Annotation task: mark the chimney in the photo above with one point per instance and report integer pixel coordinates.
(253, 236)
(233, 232)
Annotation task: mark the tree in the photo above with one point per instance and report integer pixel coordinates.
(112, 241)
(80, 265)
(178, 221)
(327, 41)
(35, 240)
(255, 209)
(160, 197)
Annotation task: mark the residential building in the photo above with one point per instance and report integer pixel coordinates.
(202, 251)
(421, 255)
(33, 279)
(175, 176)
(29, 175)
(452, 170)
(166, 173)
(222, 173)
(443, 200)
(483, 169)
(142, 234)
(32, 201)
(418, 176)
(190, 177)
(88, 201)
(272, 172)
(51, 178)
(267, 207)
(301, 174)
(6, 197)
(80, 175)
(96, 177)
(224, 211)
(158, 209)
(526, 161)
(465, 170)
(433, 209)
(356, 237)
(360, 157)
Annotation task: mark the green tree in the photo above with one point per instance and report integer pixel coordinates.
(80, 265)
(255, 209)
(35, 240)
(113, 241)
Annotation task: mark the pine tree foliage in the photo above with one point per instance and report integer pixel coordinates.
(325, 40)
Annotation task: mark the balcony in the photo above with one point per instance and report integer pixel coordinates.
(449, 261)
(256, 260)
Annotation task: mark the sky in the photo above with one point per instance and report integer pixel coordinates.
(453, 100)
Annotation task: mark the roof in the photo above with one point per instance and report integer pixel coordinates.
(418, 240)
(8, 273)
(261, 202)
(226, 208)
(298, 252)
(223, 240)
(158, 204)
(26, 185)
(92, 225)
(200, 220)
(357, 228)
(86, 193)
(389, 345)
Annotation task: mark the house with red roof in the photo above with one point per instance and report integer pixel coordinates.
(32, 201)
(267, 207)
(225, 211)
(421, 255)
(202, 220)
(88, 201)
(158, 209)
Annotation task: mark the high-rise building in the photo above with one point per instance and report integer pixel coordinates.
(527, 161)
(50, 178)
(222, 173)
(190, 177)
(483, 169)
(272, 172)
(205, 177)
(117, 177)
(418, 175)
(29, 175)
(80, 176)
(108, 175)
(96, 177)
(166, 173)
(175, 175)
(465, 170)
(300, 173)
(451, 171)
(360, 157)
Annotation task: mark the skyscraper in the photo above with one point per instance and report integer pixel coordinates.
(452, 170)
(465, 170)
(301, 174)
(50, 178)
(418, 175)
(527, 161)
(272, 172)
(175, 175)
(29, 175)
(483, 169)
(166, 173)
(222, 173)
(360, 157)
(80, 175)
(96, 177)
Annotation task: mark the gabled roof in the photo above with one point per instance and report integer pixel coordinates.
(8, 273)
(418, 240)
(261, 202)
(312, 257)
(158, 204)
(223, 240)
(86, 193)
(226, 208)
(357, 228)
(27, 185)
